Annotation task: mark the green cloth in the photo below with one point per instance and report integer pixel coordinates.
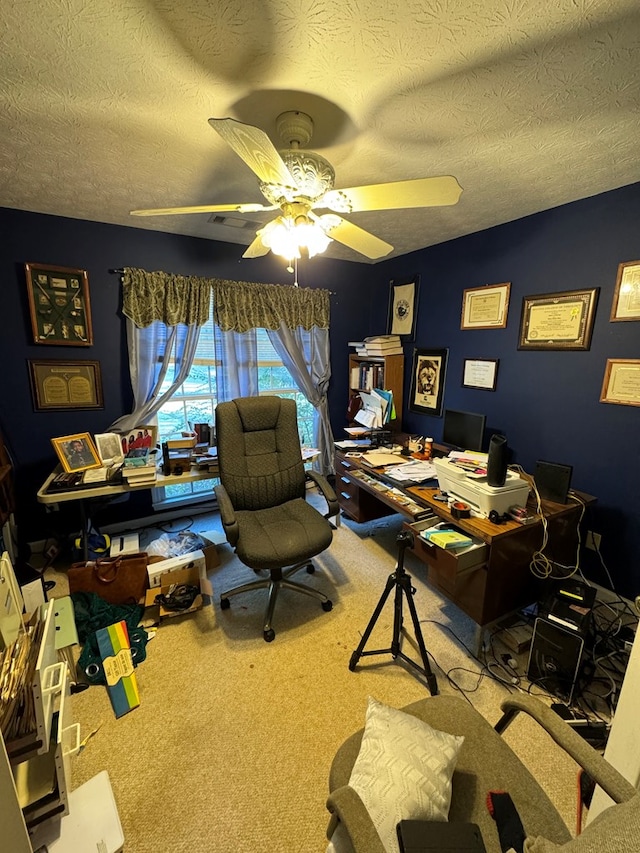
(93, 613)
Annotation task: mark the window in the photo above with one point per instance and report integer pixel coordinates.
(196, 399)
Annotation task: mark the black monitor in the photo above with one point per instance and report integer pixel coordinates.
(463, 430)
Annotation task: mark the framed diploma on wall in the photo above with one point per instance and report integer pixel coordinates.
(558, 320)
(485, 307)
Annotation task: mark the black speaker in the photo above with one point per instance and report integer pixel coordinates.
(553, 480)
(497, 462)
(555, 658)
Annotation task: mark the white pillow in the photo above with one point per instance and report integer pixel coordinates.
(403, 770)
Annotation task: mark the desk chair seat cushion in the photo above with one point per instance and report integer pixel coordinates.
(282, 535)
(485, 762)
(403, 770)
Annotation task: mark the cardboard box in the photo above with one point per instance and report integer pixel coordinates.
(188, 569)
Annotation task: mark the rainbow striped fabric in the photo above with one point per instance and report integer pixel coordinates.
(115, 651)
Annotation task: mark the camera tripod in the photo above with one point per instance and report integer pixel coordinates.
(401, 582)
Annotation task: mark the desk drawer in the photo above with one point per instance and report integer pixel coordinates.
(446, 566)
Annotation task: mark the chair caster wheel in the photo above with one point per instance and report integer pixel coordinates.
(269, 636)
(327, 606)
(310, 569)
(225, 604)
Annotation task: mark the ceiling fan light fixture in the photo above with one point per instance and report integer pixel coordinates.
(287, 235)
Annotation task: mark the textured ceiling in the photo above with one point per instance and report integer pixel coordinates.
(529, 103)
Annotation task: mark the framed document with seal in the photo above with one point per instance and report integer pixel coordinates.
(621, 382)
(485, 307)
(558, 320)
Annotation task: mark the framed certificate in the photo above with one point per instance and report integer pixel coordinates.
(621, 382)
(626, 297)
(558, 320)
(485, 307)
(480, 373)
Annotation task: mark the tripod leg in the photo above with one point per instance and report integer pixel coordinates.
(355, 657)
(432, 684)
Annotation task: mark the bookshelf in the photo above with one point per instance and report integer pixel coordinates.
(387, 372)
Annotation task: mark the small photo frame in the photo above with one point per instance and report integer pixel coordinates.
(427, 381)
(626, 297)
(76, 452)
(109, 448)
(480, 373)
(143, 437)
(621, 382)
(558, 321)
(485, 307)
(59, 305)
(403, 308)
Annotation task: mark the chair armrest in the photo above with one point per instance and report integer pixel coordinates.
(352, 813)
(328, 493)
(603, 773)
(227, 514)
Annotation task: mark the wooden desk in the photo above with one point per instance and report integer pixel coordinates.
(495, 582)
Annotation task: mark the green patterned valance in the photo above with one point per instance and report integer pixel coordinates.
(239, 306)
(171, 299)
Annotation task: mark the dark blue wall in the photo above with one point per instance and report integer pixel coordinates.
(546, 402)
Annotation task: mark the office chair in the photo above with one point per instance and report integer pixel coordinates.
(487, 763)
(262, 498)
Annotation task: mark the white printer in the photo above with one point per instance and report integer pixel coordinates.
(475, 491)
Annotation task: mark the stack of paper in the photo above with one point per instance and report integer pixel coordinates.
(377, 408)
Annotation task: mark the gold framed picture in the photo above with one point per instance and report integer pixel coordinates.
(59, 305)
(626, 297)
(65, 384)
(621, 382)
(485, 307)
(76, 452)
(557, 321)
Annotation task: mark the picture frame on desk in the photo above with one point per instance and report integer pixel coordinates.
(76, 452)
(558, 321)
(626, 297)
(59, 305)
(141, 437)
(403, 308)
(58, 385)
(427, 381)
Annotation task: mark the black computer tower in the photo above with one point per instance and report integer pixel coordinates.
(555, 658)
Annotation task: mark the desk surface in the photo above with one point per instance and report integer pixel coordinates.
(108, 490)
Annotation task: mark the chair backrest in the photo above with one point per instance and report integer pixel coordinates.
(259, 452)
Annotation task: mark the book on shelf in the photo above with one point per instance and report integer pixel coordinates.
(143, 472)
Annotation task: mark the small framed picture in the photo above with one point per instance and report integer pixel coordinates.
(485, 307)
(626, 297)
(141, 438)
(403, 308)
(480, 373)
(427, 381)
(59, 305)
(621, 382)
(76, 452)
(109, 448)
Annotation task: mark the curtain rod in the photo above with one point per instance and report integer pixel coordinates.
(119, 271)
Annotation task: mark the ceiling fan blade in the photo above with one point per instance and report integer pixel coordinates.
(422, 192)
(257, 248)
(204, 208)
(256, 149)
(353, 236)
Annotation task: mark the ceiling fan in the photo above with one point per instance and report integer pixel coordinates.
(299, 182)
